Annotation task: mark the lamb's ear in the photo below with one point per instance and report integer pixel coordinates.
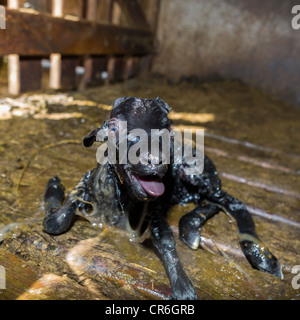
(90, 138)
(163, 105)
(98, 134)
(119, 101)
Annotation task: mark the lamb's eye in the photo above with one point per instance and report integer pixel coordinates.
(133, 139)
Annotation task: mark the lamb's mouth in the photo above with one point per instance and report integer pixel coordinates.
(152, 185)
(148, 187)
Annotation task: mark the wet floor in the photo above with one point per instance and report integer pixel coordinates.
(253, 139)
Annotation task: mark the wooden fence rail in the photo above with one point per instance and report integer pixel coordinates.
(114, 37)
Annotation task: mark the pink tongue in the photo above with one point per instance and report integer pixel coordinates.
(153, 188)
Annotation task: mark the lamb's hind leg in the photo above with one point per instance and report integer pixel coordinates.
(255, 251)
(59, 216)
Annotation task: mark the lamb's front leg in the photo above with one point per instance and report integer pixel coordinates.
(191, 223)
(163, 241)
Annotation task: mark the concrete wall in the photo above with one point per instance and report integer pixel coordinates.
(250, 40)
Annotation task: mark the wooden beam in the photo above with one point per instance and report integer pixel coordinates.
(47, 35)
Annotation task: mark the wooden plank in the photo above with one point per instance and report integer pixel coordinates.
(132, 67)
(145, 64)
(68, 74)
(53, 287)
(48, 35)
(73, 8)
(94, 66)
(17, 281)
(30, 74)
(116, 68)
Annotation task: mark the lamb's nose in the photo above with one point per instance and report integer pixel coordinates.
(161, 169)
(153, 159)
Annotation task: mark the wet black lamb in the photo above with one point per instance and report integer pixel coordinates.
(138, 196)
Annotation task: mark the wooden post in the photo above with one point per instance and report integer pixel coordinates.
(55, 71)
(152, 13)
(62, 69)
(13, 74)
(151, 9)
(94, 65)
(13, 4)
(13, 61)
(55, 58)
(132, 67)
(116, 64)
(116, 68)
(57, 8)
(92, 7)
(116, 13)
(23, 74)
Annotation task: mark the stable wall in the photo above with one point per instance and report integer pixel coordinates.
(249, 40)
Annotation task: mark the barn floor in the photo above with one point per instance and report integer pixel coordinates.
(252, 138)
